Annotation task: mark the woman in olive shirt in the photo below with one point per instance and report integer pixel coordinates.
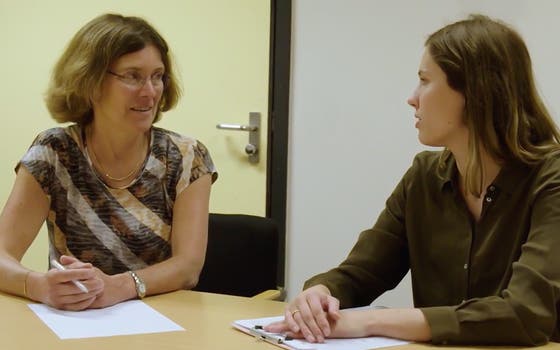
(478, 224)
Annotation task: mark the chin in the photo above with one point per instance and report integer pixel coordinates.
(428, 142)
(143, 123)
(141, 127)
(423, 140)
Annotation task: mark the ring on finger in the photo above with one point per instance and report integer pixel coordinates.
(295, 312)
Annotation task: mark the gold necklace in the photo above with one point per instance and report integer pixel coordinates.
(106, 173)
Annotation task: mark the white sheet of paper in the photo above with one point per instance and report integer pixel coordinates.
(130, 317)
(329, 344)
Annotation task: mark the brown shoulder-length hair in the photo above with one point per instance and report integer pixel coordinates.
(488, 62)
(78, 74)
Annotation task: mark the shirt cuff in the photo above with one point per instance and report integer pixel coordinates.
(443, 323)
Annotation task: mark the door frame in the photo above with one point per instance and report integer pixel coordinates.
(278, 122)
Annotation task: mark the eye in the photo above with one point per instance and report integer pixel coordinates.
(158, 79)
(132, 76)
(158, 76)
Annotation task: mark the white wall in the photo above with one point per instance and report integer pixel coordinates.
(351, 132)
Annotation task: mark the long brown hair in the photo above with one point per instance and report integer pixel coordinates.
(79, 72)
(488, 62)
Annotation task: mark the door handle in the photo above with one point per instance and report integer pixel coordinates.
(236, 127)
(254, 129)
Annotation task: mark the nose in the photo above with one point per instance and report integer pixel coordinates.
(148, 89)
(413, 100)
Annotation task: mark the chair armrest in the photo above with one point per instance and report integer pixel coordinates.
(270, 294)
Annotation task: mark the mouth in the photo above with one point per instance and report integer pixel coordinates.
(417, 120)
(141, 109)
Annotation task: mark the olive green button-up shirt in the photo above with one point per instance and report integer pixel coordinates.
(495, 281)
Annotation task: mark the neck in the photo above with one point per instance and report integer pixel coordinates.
(114, 145)
(118, 157)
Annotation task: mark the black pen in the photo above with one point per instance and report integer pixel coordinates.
(273, 338)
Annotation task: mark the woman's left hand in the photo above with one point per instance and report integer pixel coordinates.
(350, 324)
(115, 291)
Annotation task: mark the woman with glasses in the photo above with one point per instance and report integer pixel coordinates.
(477, 223)
(125, 202)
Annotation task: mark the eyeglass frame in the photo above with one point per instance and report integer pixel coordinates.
(140, 83)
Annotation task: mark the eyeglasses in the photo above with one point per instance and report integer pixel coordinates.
(137, 81)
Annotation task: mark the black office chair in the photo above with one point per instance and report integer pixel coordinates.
(242, 257)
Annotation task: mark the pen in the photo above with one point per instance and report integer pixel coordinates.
(273, 338)
(61, 267)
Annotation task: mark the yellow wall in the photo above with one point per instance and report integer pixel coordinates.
(34, 33)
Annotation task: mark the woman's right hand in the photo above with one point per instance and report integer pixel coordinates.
(55, 287)
(309, 314)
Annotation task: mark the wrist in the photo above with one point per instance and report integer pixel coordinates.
(371, 322)
(25, 277)
(33, 286)
(406, 324)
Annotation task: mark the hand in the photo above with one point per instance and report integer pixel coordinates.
(406, 324)
(113, 291)
(310, 314)
(55, 288)
(350, 324)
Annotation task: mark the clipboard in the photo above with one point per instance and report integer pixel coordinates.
(253, 327)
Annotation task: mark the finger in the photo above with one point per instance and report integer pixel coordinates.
(333, 308)
(67, 259)
(60, 284)
(320, 314)
(79, 265)
(94, 285)
(277, 327)
(71, 274)
(64, 295)
(93, 288)
(289, 319)
(307, 324)
(71, 262)
(78, 306)
(293, 335)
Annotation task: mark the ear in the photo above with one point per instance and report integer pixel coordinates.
(95, 96)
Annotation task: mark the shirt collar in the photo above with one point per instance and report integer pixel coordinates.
(507, 180)
(510, 176)
(447, 172)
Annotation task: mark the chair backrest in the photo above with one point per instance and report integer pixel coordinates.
(242, 255)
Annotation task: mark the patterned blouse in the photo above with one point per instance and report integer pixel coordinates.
(114, 229)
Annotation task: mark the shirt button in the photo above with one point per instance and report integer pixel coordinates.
(491, 188)
(488, 199)
(466, 266)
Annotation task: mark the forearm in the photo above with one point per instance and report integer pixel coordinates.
(172, 274)
(493, 320)
(14, 276)
(159, 278)
(407, 324)
(377, 263)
